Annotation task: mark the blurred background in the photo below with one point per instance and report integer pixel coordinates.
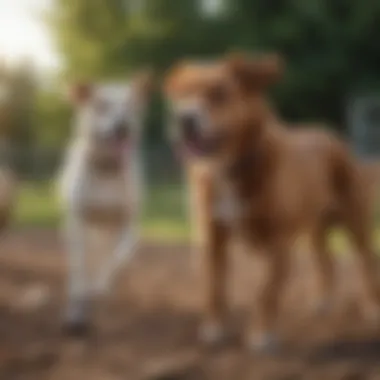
(149, 321)
(333, 76)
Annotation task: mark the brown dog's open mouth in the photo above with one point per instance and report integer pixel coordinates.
(202, 147)
(195, 148)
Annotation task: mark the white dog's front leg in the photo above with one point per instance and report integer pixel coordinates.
(77, 313)
(123, 253)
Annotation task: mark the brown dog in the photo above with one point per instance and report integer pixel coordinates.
(252, 175)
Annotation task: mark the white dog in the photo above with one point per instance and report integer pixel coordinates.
(102, 182)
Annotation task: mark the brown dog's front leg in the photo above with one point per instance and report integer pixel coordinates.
(215, 272)
(264, 336)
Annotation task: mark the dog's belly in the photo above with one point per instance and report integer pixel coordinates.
(106, 201)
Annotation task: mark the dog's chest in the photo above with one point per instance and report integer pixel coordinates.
(107, 198)
(105, 192)
(227, 206)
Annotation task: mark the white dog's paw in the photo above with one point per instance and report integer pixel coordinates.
(211, 333)
(76, 320)
(263, 343)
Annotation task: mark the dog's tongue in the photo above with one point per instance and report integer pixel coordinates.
(185, 150)
(120, 147)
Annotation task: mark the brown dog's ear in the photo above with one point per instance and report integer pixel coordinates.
(175, 76)
(143, 83)
(80, 93)
(256, 72)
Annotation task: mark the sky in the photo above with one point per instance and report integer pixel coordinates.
(23, 33)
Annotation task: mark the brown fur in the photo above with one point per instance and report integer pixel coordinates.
(290, 182)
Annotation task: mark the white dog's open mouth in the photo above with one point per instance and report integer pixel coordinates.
(120, 146)
(112, 151)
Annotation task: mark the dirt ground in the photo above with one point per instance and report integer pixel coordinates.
(146, 329)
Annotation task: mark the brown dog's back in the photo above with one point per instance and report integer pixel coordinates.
(371, 177)
(332, 181)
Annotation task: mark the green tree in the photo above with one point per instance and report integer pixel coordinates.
(330, 46)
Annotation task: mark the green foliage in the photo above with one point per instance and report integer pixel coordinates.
(164, 217)
(20, 86)
(52, 118)
(331, 46)
(17, 105)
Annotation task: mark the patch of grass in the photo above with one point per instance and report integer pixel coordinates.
(37, 206)
(164, 216)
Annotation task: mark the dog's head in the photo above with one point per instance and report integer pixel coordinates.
(109, 116)
(217, 106)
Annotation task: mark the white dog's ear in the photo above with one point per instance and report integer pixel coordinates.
(143, 83)
(80, 93)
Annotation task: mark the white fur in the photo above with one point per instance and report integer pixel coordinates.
(80, 187)
(227, 208)
(121, 103)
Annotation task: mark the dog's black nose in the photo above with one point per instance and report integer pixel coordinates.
(189, 125)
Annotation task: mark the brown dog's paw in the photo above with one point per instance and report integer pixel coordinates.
(211, 333)
(263, 343)
(371, 313)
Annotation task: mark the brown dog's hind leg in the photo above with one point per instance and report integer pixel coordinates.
(368, 264)
(325, 266)
(356, 206)
(358, 223)
(264, 337)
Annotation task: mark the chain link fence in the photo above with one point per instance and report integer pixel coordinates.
(164, 210)
(364, 126)
(43, 164)
(161, 166)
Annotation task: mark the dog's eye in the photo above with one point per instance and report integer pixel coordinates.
(217, 95)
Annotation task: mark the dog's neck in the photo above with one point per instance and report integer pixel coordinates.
(103, 164)
(251, 167)
(106, 167)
